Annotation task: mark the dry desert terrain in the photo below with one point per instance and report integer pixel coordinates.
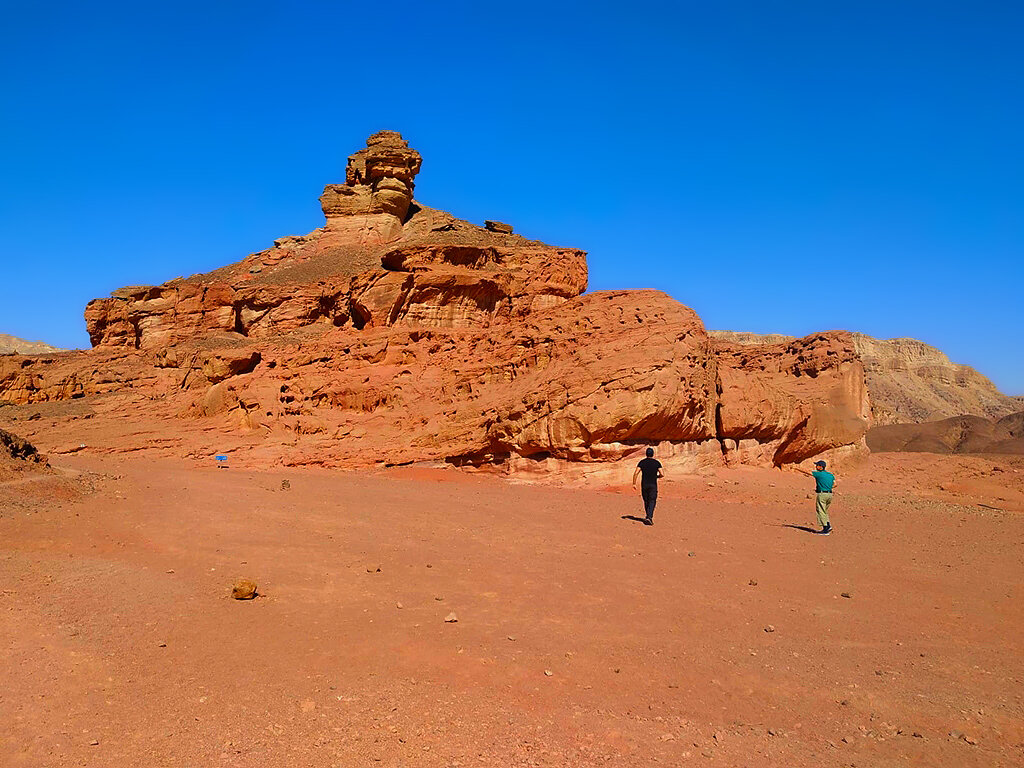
(725, 635)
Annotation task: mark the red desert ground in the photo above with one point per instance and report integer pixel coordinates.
(427, 434)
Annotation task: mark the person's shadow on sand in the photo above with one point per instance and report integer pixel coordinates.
(634, 517)
(800, 528)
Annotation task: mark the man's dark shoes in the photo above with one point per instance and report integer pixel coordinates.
(826, 530)
(648, 521)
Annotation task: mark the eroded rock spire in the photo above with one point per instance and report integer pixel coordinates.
(378, 180)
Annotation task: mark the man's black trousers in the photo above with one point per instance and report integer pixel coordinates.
(650, 497)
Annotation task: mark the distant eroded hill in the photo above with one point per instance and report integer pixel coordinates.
(909, 381)
(960, 434)
(10, 345)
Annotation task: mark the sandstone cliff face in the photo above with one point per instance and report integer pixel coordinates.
(910, 381)
(798, 398)
(398, 333)
(591, 380)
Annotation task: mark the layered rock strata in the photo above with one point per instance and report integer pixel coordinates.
(380, 260)
(398, 333)
(798, 398)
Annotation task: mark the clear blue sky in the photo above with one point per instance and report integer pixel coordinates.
(779, 166)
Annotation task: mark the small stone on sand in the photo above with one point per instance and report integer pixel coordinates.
(244, 589)
(451, 618)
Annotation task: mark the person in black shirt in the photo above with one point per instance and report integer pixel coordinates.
(650, 468)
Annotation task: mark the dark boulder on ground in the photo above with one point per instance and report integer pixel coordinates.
(18, 455)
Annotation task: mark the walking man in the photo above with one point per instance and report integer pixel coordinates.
(824, 483)
(650, 468)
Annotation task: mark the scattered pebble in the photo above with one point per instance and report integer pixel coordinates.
(512, 638)
(170, 570)
(244, 589)
(285, 485)
(691, 554)
(161, 645)
(846, 595)
(548, 673)
(769, 628)
(373, 569)
(451, 618)
(752, 582)
(399, 605)
(94, 743)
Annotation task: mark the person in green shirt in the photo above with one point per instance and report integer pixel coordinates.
(824, 484)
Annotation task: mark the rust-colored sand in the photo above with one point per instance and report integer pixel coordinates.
(582, 638)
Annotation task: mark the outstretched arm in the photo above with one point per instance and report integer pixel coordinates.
(801, 470)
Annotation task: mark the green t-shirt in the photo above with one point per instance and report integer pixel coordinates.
(823, 481)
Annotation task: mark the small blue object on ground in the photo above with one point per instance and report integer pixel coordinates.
(221, 461)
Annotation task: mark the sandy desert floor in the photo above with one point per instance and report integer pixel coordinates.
(725, 635)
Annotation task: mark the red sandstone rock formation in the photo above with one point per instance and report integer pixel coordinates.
(795, 399)
(398, 333)
(381, 260)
